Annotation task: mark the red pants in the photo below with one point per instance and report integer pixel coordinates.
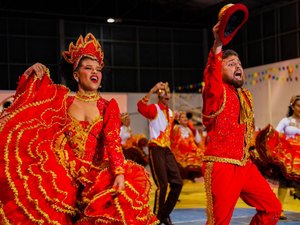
(225, 183)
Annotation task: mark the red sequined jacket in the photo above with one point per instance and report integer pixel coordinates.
(227, 115)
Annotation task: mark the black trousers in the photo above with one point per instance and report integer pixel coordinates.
(164, 172)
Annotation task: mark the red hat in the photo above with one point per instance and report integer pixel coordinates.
(231, 17)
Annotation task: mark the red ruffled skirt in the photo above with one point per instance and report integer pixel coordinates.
(103, 205)
(36, 186)
(277, 155)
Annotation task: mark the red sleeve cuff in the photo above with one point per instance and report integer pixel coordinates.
(212, 57)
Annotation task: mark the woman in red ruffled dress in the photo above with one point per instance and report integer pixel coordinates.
(60, 155)
(185, 148)
(279, 151)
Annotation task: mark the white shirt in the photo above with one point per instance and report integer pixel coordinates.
(159, 123)
(125, 133)
(186, 132)
(289, 126)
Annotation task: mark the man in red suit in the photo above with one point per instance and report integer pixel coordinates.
(229, 119)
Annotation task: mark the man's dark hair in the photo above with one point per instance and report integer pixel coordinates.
(229, 52)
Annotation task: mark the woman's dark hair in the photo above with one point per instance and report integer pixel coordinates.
(290, 108)
(290, 111)
(66, 71)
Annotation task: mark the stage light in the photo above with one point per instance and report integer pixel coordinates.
(111, 20)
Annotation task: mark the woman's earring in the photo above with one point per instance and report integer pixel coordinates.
(77, 80)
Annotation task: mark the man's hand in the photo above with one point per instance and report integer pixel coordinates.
(157, 87)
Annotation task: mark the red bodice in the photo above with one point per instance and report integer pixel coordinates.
(184, 147)
(99, 140)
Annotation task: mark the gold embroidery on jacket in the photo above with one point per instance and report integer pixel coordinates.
(209, 198)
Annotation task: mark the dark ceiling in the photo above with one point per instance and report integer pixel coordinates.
(146, 12)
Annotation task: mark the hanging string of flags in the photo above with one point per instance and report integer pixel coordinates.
(190, 87)
(287, 73)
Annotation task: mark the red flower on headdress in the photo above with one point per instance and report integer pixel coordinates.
(89, 46)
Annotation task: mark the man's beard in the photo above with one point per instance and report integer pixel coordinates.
(237, 83)
(234, 82)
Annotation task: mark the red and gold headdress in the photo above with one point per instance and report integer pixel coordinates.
(89, 46)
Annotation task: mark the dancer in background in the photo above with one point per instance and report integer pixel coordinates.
(290, 126)
(60, 155)
(279, 152)
(165, 171)
(133, 144)
(203, 134)
(191, 125)
(184, 146)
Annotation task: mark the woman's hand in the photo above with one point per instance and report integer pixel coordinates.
(119, 183)
(36, 69)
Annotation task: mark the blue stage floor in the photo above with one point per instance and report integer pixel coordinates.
(240, 217)
(190, 209)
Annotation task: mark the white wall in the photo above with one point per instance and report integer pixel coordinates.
(272, 95)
